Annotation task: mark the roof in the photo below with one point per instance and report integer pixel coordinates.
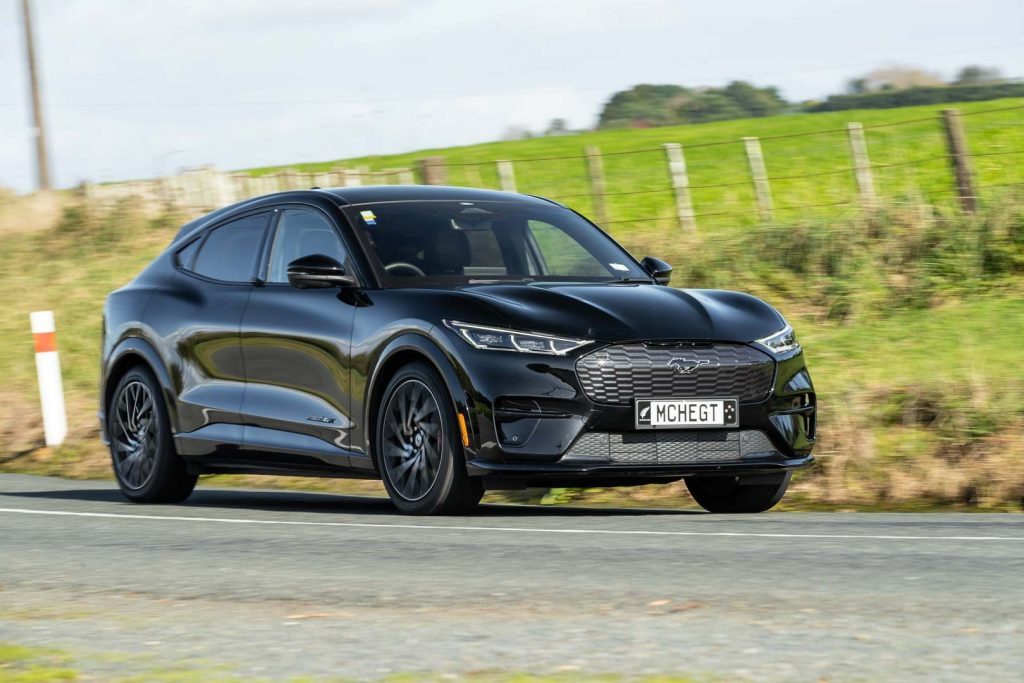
(366, 195)
(412, 193)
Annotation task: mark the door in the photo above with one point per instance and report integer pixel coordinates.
(199, 314)
(295, 346)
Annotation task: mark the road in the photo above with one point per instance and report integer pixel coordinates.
(275, 584)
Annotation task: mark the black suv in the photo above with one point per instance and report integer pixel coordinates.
(447, 341)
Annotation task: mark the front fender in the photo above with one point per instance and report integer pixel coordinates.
(429, 346)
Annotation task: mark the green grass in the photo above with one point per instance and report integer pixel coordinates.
(33, 665)
(19, 664)
(997, 132)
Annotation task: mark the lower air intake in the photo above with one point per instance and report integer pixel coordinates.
(671, 447)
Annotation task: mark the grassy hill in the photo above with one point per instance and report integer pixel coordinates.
(912, 316)
(638, 182)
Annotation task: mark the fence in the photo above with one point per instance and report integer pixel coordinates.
(666, 182)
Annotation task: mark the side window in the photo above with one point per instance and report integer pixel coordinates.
(302, 233)
(229, 252)
(562, 254)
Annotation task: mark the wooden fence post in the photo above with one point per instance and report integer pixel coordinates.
(433, 171)
(223, 188)
(759, 173)
(337, 177)
(243, 186)
(960, 158)
(595, 169)
(861, 163)
(507, 176)
(681, 186)
(353, 178)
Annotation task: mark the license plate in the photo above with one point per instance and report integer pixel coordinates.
(687, 413)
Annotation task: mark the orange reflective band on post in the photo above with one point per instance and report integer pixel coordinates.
(463, 430)
(45, 341)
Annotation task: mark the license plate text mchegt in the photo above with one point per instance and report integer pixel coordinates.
(686, 413)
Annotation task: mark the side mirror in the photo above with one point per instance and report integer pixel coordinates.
(658, 269)
(318, 271)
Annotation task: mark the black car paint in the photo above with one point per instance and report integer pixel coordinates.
(261, 377)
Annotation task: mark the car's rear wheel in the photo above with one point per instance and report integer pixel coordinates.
(418, 450)
(147, 467)
(738, 494)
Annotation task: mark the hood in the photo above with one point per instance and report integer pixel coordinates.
(615, 313)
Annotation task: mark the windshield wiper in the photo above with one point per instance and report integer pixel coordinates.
(632, 281)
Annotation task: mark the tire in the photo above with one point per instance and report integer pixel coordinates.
(733, 495)
(147, 467)
(418, 450)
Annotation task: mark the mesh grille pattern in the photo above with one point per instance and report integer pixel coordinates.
(622, 372)
(668, 448)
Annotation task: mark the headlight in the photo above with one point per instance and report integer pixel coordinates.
(499, 339)
(780, 342)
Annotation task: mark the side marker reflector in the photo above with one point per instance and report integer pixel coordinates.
(462, 429)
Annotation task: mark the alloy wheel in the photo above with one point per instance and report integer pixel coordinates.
(135, 434)
(412, 439)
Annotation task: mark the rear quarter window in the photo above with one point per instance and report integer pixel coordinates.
(230, 251)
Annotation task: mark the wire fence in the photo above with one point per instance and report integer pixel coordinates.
(698, 184)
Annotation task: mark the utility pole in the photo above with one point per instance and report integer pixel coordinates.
(39, 131)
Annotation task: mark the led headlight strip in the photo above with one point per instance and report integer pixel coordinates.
(782, 341)
(499, 339)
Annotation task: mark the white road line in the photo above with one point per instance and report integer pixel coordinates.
(535, 530)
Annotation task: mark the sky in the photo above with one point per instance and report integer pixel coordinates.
(141, 88)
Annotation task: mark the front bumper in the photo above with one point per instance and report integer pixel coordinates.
(531, 421)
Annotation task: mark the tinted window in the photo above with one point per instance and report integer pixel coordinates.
(561, 253)
(229, 252)
(417, 243)
(302, 233)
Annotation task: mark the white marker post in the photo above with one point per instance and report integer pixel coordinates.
(51, 388)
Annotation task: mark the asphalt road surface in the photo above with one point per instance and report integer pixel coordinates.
(274, 584)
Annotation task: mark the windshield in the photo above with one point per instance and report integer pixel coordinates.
(440, 242)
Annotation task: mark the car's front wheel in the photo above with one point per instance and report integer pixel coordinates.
(147, 467)
(738, 494)
(419, 451)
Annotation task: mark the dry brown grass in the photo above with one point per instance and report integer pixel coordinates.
(32, 212)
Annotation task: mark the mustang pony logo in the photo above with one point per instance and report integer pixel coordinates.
(686, 366)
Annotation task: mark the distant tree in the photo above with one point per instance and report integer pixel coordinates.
(908, 97)
(558, 127)
(857, 86)
(754, 101)
(664, 105)
(978, 75)
(642, 105)
(711, 105)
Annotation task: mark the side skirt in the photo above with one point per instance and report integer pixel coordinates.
(235, 448)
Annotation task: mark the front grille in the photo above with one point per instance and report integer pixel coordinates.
(671, 447)
(622, 372)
